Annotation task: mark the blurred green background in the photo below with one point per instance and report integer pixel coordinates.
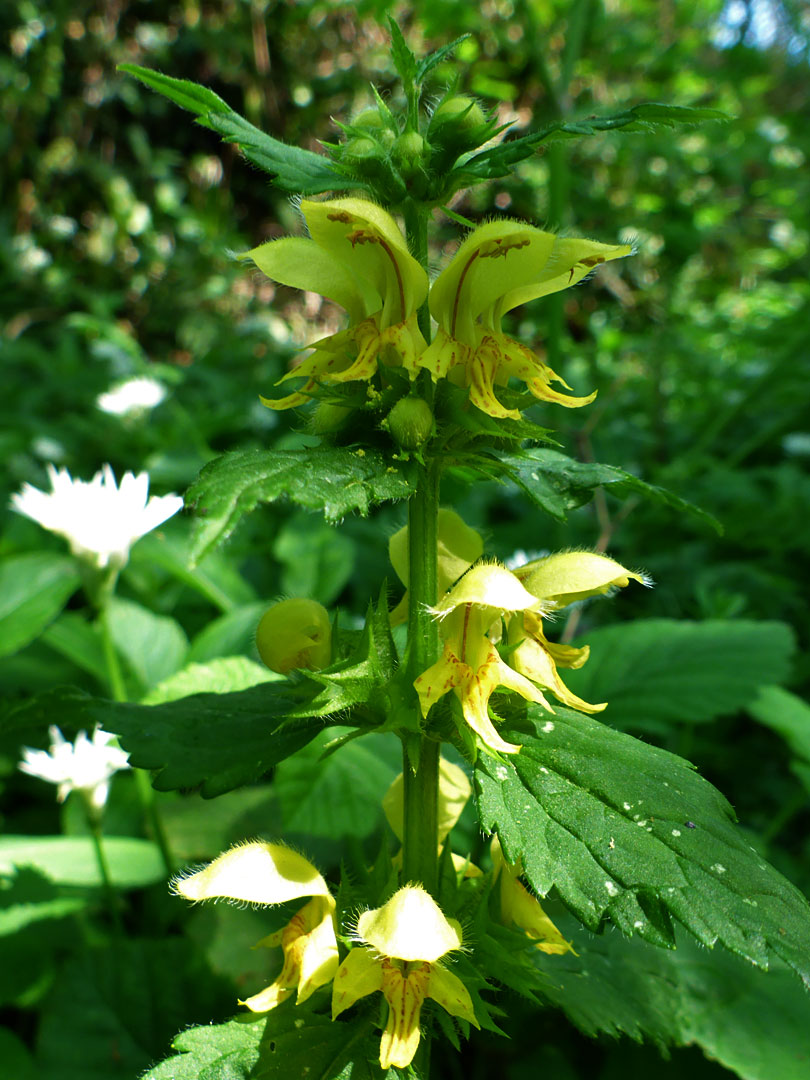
(119, 219)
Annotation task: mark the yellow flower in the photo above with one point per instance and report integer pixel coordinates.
(557, 581)
(518, 906)
(357, 257)
(406, 938)
(262, 873)
(470, 665)
(500, 265)
(458, 547)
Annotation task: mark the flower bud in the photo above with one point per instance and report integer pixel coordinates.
(458, 124)
(411, 422)
(295, 633)
(328, 418)
(410, 153)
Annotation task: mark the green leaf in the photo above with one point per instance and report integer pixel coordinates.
(558, 483)
(660, 673)
(72, 860)
(317, 561)
(220, 676)
(292, 168)
(72, 636)
(404, 59)
(231, 634)
(786, 714)
(291, 1041)
(188, 95)
(751, 1022)
(341, 795)
(33, 590)
(427, 63)
(331, 479)
(631, 832)
(216, 578)
(16, 1058)
(113, 1010)
(648, 117)
(218, 741)
(154, 646)
(28, 897)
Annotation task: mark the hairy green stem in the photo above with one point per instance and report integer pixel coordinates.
(421, 756)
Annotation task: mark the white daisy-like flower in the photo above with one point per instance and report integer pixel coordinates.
(86, 765)
(100, 520)
(134, 395)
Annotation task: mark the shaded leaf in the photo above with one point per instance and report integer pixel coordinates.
(558, 483)
(786, 714)
(656, 673)
(218, 741)
(33, 590)
(113, 1011)
(752, 1022)
(341, 795)
(631, 832)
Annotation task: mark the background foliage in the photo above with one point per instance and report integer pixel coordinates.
(117, 219)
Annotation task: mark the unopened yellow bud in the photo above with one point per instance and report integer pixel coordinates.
(295, 633)
(411, 422)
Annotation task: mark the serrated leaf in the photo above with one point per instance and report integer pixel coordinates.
(292, 168)
(752, 1022)
(33, 590)
(656, 673)
(429, 62)
(364, 677)
(647, 117)
(558, 483)
(334, 480)
(289, 1042)
(631, 832)
(218, 741)
(404, 59)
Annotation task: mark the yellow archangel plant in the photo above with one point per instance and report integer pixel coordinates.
(268, 874)
(403, 943)
(471, 615)
(357, 256)
(500, 265)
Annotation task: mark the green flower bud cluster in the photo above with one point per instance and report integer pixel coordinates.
(400, 162)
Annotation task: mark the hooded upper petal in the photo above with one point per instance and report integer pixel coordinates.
(410, 926)
(568, 576)
(256, 873)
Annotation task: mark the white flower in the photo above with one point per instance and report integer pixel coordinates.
(134, 395)
(86, 765)
(100, 520)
